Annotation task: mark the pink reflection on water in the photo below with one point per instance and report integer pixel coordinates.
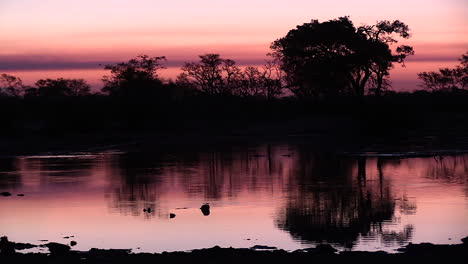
(272, 195)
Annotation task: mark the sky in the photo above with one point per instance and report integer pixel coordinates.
(75, 35)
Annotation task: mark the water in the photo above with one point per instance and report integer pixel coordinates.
(282, 195)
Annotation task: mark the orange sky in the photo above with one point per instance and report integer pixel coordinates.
(81, 34)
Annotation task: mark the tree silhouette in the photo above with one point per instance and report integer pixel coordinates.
(11, 85)
(380, 37)
(136, 78)
(59, 87)
(207, 75)
(213, 75)
(446, 78)
(334, 57)
(265, 82)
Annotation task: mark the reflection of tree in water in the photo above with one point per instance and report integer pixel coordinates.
(139, 180)
(135, 184)
(329, 200)
(449, 169)
(9, 176)
(63, 172)
(66, 172)
(390, 238)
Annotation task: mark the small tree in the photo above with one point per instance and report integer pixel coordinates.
(265, 82)
(136, 78)
(11, 85)
(447, 78)
(273, 78)
(206, 75)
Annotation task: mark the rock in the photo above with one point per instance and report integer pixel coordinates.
(5, 194)
(147, 210)
(465, 241)
(73, 243)
(261, 247)
(109, 252)
(20, 194)
(205, 209)
(325, 249)
(172, 215)
(6, 247)
(57, 249)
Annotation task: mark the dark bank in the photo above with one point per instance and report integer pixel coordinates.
(61, 253)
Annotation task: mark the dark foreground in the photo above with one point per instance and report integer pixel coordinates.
(259, 254)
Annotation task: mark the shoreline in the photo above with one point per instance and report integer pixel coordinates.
(61, 253)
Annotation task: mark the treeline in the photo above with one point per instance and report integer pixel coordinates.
(330, 67)
(313, 61)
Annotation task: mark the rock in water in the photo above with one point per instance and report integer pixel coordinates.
(205, 209)
(171, 215)
(6, 247)
(73, 243)
(5, 194)
(58, 249)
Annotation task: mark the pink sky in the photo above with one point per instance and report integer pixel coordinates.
(81, 34)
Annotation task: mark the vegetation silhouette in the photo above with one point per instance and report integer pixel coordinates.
(353, 207)
(447, 79)
(318, 75)
(335, 58)
(137, 78)
(214, 75)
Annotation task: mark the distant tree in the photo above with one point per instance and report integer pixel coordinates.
(59, 87)
(265, 82)
(214, 75)
(251, 82)
(207, 74)
(447, 78)
(136, 78)
(335, 57)
(273, 78)
(232, 75)
(11, 85)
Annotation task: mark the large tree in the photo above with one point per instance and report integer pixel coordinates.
(334, 57)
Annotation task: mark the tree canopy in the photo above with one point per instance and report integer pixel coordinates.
(11, 85)
(447, 78)
(213, 75)
(334, 57)
(135, 78)
(59, 87)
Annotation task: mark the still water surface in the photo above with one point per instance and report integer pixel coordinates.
(283, 195)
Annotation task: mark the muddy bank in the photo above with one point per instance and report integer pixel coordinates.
(63, 254)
